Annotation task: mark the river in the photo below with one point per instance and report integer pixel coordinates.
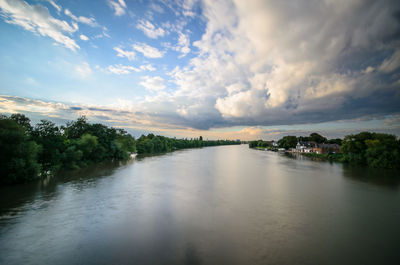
(214, 205)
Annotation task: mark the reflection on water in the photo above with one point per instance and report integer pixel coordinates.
(215, 205)
(383, 177)
(192, 257)
(389, 178)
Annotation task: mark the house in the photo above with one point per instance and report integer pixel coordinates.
(304, 147)
(326, 148)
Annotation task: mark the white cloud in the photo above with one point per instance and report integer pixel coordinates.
(57, 7)
(147, 50)
(83, 70)
(182, 45)
(149, 29)
(85, 20)
(83, 37)
(37, 19)
(147, 67)
(118, 7)
(153, 83)
(122, 69)
(128, 54)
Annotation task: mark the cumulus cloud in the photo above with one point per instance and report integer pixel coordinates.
(122, 53)
(149, 29)
(153, 83)
(118, 7)
(37, 19)
(264, 63)
(147, 50)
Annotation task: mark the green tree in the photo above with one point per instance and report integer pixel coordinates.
(315, 137)
(373, 149)
(18, 154)
(49, 136)
(22, 120)
(88, 144)
(288, 142)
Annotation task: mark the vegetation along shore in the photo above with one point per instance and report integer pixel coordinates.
(377, 150)
(29, 152)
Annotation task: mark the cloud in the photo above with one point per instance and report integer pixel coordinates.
(157, 8)
(153, 83)
(122, 69)
(57, 7)
(122, 114)
(149, 29)
(182, 45)
(307, 63)
(37, 19)
(85, 20)
(118, 7)
(147, 67)
(125, 114)
(147, 50)
(83, 70)
(83, 37)
(391, 64)
(128, 54)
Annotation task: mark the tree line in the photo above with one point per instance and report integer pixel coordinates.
(29, 152)
(378, 150)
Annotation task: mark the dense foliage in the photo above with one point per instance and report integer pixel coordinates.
(18, 153)
(373, 149)
(260, 144)
(288, 142)
(28, 152)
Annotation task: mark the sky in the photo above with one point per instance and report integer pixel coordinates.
(229, 69)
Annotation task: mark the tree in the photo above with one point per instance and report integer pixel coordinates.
(288, 142)
(18, 155)
(22, 120)
(373, 149)
(49, 136)
(315, 137)
(76, 129)
(87, 144)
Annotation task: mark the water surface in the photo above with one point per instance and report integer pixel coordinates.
(215, 205)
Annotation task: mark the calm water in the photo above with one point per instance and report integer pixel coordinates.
(216, 205)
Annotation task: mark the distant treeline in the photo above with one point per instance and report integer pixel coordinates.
(158, 144)
(377, 150)
(28, 152)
